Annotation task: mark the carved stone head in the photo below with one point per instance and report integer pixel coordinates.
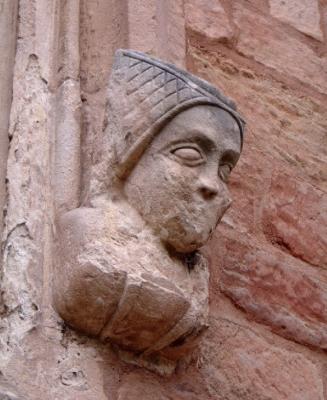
(180, 184)
(170, 146)
(131, 272)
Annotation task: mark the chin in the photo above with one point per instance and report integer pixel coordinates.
(188, 243)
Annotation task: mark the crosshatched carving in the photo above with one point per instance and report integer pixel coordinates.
(128, 270)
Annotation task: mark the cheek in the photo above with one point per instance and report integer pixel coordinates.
(147, 185)
(170, 187)
(160, 187)
(176, 185)
(164, 191)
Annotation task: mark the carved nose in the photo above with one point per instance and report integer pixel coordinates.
(208, 189)
(208, 193)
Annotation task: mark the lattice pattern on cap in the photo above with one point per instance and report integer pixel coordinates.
(151, 93)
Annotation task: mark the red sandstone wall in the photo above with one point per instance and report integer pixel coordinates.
(269, 257)
(268, 333)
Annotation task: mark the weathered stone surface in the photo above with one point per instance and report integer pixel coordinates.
(171, 36)
(239, 364)
(139, 14)
(295, 219)
(281, 176)
(7, 392)
(74, 377)
(27, 241)
(208, 19)
(28, 186)
(273, 288)
(165, 23)
(109, 282)
(103, 29)
(303, 15)
(186, 386)
(8, 23)
(134, 387)
(107, 25)
(280, 89)
(67, 160)
(5, 395)
(287, 134)
(263, 41)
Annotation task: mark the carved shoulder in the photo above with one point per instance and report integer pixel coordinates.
(87, 286)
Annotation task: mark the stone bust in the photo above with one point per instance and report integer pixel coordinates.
(127, 266)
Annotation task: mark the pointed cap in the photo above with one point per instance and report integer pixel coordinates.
(144, 95)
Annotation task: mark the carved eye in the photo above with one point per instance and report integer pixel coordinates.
(224, 172)
(188, 155)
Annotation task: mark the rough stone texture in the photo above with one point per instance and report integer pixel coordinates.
(262, 215)
(274, 288)
(126, 269)
(8, 17)
(303, 15)
(106, 26)
(103, 29)
(171, 39)
(270, 251)
(66, 85)
(165, 36)
(295, 219)
(29, 207)
(267, 346)
(239, 364)
(260, 39)
(27, 239)
(209, 19)
(133, 388)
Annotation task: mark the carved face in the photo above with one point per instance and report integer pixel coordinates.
(179, 186)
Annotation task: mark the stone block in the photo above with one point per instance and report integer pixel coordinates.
(239, 364)
(278, 290)
(263, 41)
(208, 19)
(302, 15)
(295, 219)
